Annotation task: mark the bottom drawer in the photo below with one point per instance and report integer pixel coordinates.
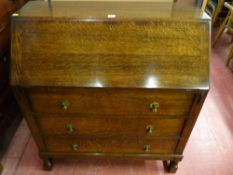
(109, 144)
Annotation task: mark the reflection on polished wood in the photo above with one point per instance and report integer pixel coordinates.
(120, 79)
(100, 10)
(151, 43)
(95, 59)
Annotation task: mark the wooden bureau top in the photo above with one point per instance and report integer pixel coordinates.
(110, 10)
(110, 44)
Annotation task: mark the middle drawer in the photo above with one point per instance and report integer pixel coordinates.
(60, 124)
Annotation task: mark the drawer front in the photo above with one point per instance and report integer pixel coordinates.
(110, 101)
(150, 127)
(109, 145)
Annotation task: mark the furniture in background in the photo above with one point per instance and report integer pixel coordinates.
(197, 3)
(99, 80)
(10, 115)
(215, 9)
(227, 24)
(204, 4)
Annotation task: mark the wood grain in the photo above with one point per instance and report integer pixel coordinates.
(156, 53)
(100, 66)
(27, 113)
(109, 144)
(83, 125)
(110, 101)
(96, 11)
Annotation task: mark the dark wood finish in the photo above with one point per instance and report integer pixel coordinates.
(110, 101)
(129, 85)
(23, 103)
(109, 144)
(194, 112)
(76, 124)
(143, 156)
(95, 59)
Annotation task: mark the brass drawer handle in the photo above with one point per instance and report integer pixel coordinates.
(65, 104)
(154, 106)
(70, 128)
(147, 148)
(74, 147)
(150, 129)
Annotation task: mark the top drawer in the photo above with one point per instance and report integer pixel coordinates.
(110, 101)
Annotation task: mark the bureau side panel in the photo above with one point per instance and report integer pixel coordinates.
(24, 104)
(191, 120)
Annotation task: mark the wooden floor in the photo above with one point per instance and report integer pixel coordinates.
(208, 152)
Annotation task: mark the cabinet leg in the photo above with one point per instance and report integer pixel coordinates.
(48, 164)
(173, 166)
(170, 166)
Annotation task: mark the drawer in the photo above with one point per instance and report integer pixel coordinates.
(110, 101)
(51, 124)
(109, 144)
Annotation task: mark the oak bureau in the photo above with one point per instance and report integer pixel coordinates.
(110, 79)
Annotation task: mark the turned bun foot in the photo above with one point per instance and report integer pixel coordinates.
(170, 166)
(48, 164)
